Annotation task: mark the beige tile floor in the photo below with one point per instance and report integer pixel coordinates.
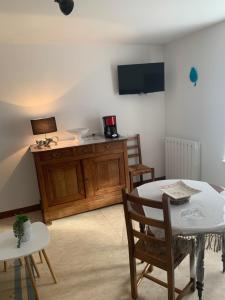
(90, 258)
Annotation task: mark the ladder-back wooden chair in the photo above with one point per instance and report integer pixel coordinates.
(155, 251)
(134, 151)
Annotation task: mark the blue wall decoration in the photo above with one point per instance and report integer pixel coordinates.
(193, 76)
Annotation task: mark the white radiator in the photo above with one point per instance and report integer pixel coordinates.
(182, 159)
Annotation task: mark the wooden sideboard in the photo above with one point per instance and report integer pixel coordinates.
(77, 178)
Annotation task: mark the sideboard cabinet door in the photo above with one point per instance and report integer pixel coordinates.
(63, 182)
(104, 174)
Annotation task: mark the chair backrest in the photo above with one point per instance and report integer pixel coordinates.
(134, 149)
(132, 213)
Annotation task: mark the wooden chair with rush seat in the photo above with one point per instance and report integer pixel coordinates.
(153, 250)
(134, 151)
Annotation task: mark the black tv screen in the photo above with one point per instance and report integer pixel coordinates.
(141, 78)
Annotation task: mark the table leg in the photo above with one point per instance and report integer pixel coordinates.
(21, 262)
(49, 265)
(34, 266)
(142, 227)
(31, 277)
(5, 266)
(40, 257)
(192, 266)
(223, 251)
(200, 264)
(142, 230)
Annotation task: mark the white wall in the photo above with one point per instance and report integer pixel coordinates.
(77, 84)
(199, 112)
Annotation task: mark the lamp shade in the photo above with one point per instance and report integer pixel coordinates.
(66, 6)
(42, 126)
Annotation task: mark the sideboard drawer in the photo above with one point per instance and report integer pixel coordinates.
(88, 149)
(104, 147)
(56, 154)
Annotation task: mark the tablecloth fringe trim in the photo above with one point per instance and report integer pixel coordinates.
(212, 241)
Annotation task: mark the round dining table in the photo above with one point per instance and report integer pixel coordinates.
(202, 218)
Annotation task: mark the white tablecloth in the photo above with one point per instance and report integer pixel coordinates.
(204, 213)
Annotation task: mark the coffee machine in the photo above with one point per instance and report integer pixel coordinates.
(110, 129)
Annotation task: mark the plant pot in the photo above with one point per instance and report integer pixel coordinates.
(27, 231)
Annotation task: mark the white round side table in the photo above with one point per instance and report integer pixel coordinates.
(39, 241)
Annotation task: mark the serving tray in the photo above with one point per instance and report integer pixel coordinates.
(179, 192)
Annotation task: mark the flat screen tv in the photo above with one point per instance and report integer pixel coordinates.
(141, 78)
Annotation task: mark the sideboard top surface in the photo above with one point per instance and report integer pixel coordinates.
(75, 143)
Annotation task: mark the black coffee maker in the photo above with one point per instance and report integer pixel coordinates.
(110, 129)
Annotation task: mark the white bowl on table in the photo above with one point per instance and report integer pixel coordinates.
(79, 133)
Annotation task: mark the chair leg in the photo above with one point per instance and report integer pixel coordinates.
(31, 277)
(131, 182)
(49, 265)
(5, 266)
(133, 278)
(171, 287)
(150, 269)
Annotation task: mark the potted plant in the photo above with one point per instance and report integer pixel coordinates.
(22, 229)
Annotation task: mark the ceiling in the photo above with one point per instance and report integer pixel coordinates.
(123, 21)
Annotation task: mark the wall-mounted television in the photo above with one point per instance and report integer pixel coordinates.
(141, 78)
